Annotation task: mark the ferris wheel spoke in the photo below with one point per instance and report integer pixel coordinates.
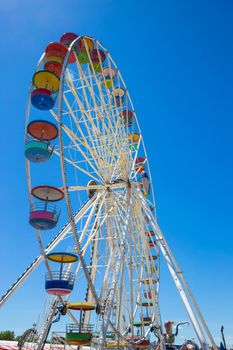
(131, 277)
(92, 234)
(76, 141)
(111, 126)
(95, 212)
(116, 247)
(97, 227)
(152, 290)
(96, 132)
(113, 283)
(144, 253)
(118, 118)
(88, 117)
(129, 265)
(119, 306)
(93, 231)
(97, 108)
(113, 154)
(108, 107)
(75, 165)
(91, 226)
(93, 150)
(142, 229)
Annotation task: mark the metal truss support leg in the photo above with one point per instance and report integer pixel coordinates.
(181, 284)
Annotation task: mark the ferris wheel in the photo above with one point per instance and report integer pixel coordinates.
(87, 167)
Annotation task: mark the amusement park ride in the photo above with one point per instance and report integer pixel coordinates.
(111, 245)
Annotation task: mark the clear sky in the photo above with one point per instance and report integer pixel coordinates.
(176, 57)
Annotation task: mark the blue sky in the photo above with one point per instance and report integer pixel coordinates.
(176, 58)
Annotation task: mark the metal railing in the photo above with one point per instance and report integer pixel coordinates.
(46, 207)
(75, 328)
(42, 144)
(60, 276)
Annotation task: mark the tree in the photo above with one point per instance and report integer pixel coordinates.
(17, 338)
(7, 335)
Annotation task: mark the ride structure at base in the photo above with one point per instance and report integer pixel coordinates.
(88, 143)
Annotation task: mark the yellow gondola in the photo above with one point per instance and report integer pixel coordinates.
(85, 306)
(45, 79)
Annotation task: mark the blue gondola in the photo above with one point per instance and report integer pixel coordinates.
(60, 282)
(37, 151)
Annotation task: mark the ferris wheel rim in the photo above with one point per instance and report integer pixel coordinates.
(61, 154)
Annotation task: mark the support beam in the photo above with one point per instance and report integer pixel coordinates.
(180, 282)
(61, 234)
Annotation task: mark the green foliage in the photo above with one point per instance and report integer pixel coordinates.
(17, 338)
(7, 335)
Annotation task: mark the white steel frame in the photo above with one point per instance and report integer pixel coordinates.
(93, 140)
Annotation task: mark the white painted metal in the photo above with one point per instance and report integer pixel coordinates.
(57, 239)
(178, 278)
(94, 144)
(109, 154)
